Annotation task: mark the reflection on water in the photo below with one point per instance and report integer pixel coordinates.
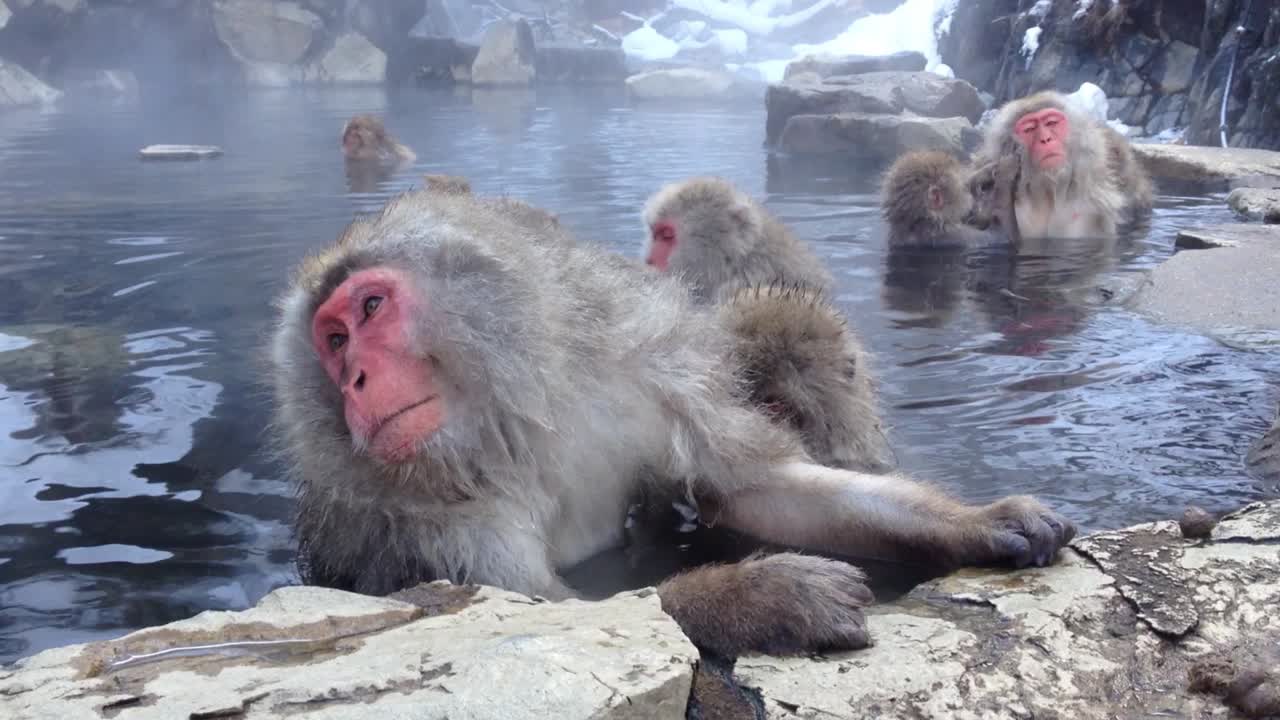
(133, 486)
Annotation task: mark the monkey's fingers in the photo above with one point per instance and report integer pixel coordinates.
(782, 604)
(1025, 532)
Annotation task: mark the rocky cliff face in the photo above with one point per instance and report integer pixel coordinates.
(1163, 63)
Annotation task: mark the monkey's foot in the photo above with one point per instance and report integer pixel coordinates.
(1022, 531)
(782, 604)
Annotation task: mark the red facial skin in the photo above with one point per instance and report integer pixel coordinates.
(350, 143)
(663, 234)
(361, 334)
(1044, 133)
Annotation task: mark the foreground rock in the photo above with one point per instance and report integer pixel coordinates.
(1256, 204)
(873, 137)
(1134, 623)
(1223, 282)
(1237, 167)
(19, 87)
(1117, 629)
(689, 85)
(444, 652)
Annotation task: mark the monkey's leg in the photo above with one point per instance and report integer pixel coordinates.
(891, 517)
(779, 604)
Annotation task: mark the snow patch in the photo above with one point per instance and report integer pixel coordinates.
(1092, 100)
(1082, 7)
(1030, 44)
(648, 44)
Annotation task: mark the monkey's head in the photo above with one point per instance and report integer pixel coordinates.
(988, 187)
(1043, 130)
(925, 190)
(413, 340)
(363, 137)
(699, 224)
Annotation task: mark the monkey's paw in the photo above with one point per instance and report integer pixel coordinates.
(781, 604)
(1020, 530)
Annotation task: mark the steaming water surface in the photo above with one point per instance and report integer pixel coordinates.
(133, 488)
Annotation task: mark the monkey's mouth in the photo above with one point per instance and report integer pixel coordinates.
(394, 438)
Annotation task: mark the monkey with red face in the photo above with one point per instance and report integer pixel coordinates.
(457, 401)
(718, 238)
(1074, 178)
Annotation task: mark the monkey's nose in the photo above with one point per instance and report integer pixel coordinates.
(358, 383)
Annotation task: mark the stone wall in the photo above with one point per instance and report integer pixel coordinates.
(1163, 63)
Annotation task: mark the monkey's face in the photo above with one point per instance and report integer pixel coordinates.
(662, 243)
(390, 393)
(1044, 134)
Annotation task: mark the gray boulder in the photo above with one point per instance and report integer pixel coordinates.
(278, 33)
(874, 137)
(888, 92)
(352, 60)
(690, 85)
(19, 87)
(826, 66)
(1256, 204)
(1237, 167)
(507, 57)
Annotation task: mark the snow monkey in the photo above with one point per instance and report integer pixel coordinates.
(1076, 177)
(718, 238)
(364, 138)
(469, 396)
(926, 200)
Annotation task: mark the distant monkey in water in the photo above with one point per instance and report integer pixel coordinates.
(717, 237)
(1076, 178)
(365, 139)
(462, 394)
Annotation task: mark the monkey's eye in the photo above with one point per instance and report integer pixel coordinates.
(336, 341)
(987, 185)
(371, 304)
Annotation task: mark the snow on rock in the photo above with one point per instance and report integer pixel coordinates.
(910, 26)
(944, 70)
(649, 44)
(1030, 44)
(1091, 100)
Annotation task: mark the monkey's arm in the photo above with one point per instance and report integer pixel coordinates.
(891, 517)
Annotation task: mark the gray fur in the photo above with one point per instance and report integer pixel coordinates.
(567, 376)
(727, 239)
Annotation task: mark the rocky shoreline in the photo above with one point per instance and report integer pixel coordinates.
(1139, 620)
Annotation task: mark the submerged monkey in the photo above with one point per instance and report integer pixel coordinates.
(456, 401)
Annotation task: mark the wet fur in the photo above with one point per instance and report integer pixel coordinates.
(801, 358)
(570, 375)
(905, 201)
(1100, 181)
(727, 240)
(376, 144)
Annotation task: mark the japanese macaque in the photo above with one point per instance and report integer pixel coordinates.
(457, 401)
(718, 238)
(364, 138)
(926, 200)
(1076, 178)
(446, 183)
(806, 369)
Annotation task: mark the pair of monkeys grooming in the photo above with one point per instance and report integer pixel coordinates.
(1044, 171)
(464, 391)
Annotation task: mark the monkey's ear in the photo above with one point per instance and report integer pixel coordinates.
(935, 198)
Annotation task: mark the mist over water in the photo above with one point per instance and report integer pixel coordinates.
(133, 485)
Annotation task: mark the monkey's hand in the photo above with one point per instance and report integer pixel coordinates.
(782, 604)
(1020, 530)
